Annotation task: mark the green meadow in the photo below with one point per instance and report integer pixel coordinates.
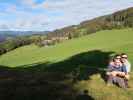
(87, 55)
(109, 40)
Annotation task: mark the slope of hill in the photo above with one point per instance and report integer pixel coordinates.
(82, 55)
(115, 40)
(120, 19)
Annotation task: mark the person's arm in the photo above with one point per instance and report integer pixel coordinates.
(128, 67)
(124, 69)
(110, 68)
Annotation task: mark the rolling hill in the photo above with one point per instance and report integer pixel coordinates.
(118, 20)
(115, 40)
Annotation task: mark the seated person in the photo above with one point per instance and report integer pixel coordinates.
(126, 64)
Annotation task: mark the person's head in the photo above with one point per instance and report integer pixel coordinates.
(117, 58)
(124, 57)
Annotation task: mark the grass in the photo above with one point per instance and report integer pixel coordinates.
(115, 40)
(81, 58)
(98, 89)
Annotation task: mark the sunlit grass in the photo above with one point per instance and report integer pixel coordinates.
(98, 89)
(113, 40)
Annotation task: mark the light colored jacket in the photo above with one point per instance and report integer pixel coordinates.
(127, 64)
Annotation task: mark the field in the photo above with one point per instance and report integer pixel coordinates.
(106, 41)
(83, 58)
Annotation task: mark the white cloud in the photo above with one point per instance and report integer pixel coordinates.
(29, 3)
(75, 11)
(59, 13)
(11, 8)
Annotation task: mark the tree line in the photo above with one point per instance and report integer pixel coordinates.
(117, 20)
(13, 43)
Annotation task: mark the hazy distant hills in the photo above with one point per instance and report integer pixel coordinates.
(12, 34)
(2, 38)
(15, 33)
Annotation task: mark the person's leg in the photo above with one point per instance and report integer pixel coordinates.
(127, 77)
(126, 83)
(121, 82)
(109, 80)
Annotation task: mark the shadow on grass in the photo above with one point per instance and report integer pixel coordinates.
(84, 96)
(51, 81)
(80, 66)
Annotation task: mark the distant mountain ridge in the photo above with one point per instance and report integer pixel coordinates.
(12, 34)
(2, 38)
(23, 32)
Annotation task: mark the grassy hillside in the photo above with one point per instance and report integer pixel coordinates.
(74, 58)
(115, 41)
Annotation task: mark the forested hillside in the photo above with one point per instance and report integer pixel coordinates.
(120, 19)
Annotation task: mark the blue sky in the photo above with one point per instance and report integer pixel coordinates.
(43, 15)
